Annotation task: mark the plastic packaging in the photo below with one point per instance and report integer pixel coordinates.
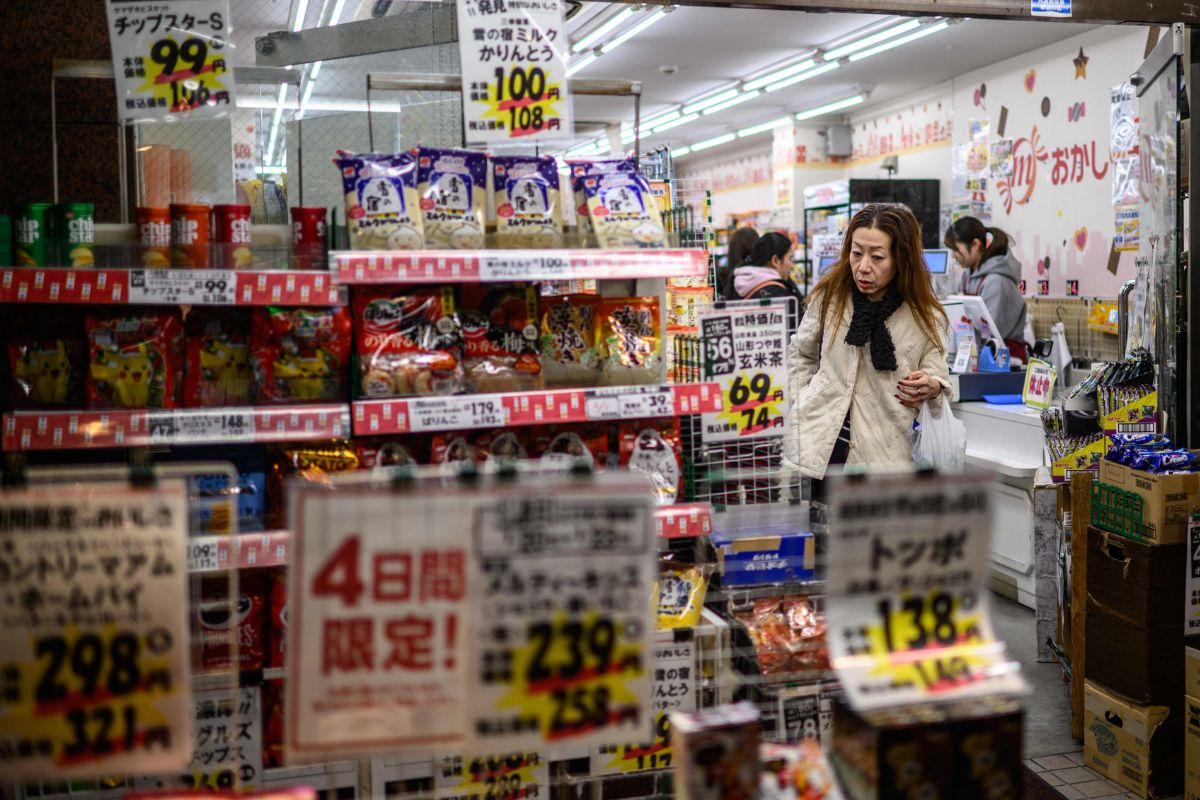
(941, 439)
(408, 342)
(383, 210)
(134, 359)
(527, 201)
(452, 185)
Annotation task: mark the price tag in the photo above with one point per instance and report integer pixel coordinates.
(962, 356)
(203, 554)
(512, 775)
(223, 425)
(455, 413)
(1039, 383)
(522, 265)
(746, 355)
(171, 58)
(198, 287)
(94, 637)
(514, 61)
(629, 403)
(162, 427)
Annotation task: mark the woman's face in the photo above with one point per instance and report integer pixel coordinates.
(871, 261)
(783, 265)
(967, 256)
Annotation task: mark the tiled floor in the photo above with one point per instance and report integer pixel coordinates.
(1067, 774)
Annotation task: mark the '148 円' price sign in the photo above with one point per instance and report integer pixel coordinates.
(93, 631)
(746, 354)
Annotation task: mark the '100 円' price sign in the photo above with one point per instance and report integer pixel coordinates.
(909, 616)
(93, 631)
(746, 354)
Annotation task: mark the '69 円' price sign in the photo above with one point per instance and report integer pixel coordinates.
(93, 631)
(564, 626)
(908, 609)
(746, 354)
(514, 73)
(171, 58)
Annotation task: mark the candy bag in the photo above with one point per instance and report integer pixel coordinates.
(500, 338)
(453, 189)
(570, 356)
(629, 337)
(135, 359)
(528, 207)
(383, 209)
(408, 342)
(300, 354)
(217, 358)
(623, 211)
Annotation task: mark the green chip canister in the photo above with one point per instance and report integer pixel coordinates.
(32, 235)
(74, 235)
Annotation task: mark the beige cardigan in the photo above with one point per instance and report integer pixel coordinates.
(828, 378)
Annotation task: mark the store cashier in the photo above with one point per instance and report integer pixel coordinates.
(991, 271)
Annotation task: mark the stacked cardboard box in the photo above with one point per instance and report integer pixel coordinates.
(1191, 724)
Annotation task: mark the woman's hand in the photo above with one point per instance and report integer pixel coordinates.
(917, 388)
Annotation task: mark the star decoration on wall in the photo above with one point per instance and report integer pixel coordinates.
(1080, 61)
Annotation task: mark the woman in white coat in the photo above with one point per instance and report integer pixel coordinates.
(869, 351)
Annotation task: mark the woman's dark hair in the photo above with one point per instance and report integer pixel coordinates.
(968, 230)
(740, 243)
(769, 246)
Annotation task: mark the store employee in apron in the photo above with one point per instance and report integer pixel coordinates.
(991, 271)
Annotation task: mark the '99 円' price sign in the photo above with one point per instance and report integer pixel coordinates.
(746, 354)
(171, 58)
(93, 631)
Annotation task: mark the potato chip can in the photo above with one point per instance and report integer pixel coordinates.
(75, 235)
(32, 237)
(308, 238)
(191, 235)
(231, 232)
(154, 237)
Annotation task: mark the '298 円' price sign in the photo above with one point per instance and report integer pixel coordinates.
(514, 74)
(746, 354)
(171, 58)
(93, 631)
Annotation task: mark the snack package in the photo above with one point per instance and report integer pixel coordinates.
(652, 447)
(623, 212)
(500, 338)
(570, 356)
(408, 342)
(217, 358)
(300, 355)
(581, 167)
(453, 448)
(279, 620)
(630, 340)
(679, 593)
(788, 635)
(382, 454)
(453, 189)
(134, 359)
(313, 462)
(46, 363)
(272, 730)
(216, 624)
(566, 444)
(527, 201)
(383, 209)
(501, 446)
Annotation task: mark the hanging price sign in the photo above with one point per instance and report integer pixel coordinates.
(746, 354)
(171, 58)
(93, 631)
(514, 75)
(513, 775)
(1039, 383)
(909, 616)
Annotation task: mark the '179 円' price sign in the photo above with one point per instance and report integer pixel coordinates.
(562, 650)
(909, 617)
(93, 631)
(171, 58)
(514, 74)
(746, 354)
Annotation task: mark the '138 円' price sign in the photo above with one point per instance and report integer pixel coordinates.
(93, 631)
(171, 58)
(909, 617)
(514, 75)
(746, 354)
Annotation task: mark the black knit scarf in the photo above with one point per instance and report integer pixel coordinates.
(868, 324)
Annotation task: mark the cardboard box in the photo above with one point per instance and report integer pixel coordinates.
(1191, 748)
(1167, 499)
(1191, 596)
(1137, 746)
(756, 560)
(1191, 671)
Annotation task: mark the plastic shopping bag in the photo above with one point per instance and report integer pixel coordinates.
(940, 439)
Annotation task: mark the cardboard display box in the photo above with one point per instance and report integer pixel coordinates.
(1191, 597)
(1137, 746)
(1191, 748)
(755, 560)
(1191, 671)
(1167, 499)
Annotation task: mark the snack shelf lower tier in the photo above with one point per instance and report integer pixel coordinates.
(197, 287)
(485, 266)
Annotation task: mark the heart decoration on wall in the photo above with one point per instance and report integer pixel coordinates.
(1081, 238)
(1030, 80)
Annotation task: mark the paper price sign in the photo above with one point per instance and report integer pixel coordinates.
(746, 354)
(908, 608)
(1039, 383)
(171, 58)
(514, 71)
(513, 775)
(451, 413)
(94, 643)
(201, 287)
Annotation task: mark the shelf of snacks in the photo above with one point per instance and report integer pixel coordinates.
(683, 521)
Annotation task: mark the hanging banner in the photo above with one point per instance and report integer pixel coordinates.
(171, 58)
(514, 72)
(909, 614)
(746, 354)
(94, 641)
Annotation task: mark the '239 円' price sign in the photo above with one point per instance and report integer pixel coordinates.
(909, 617)
(93, 631)
(171, 58)
(514, 71)
(746, 354)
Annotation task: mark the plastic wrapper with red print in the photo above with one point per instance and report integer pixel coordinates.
(568, 445)
(277, 647)
(218, 623)
(478, 447)
(500, 338)
(788, 635)
(408, 342)
(652, 448)
(134, 359)
(384, 454)
(46, 363)
(300, 355)
(217, 357)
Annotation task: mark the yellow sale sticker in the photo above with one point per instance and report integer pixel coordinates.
(1039, 383)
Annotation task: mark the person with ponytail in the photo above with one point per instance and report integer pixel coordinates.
(991, 271)
(766, 273)
(740, 244)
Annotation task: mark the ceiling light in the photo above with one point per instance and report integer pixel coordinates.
(924, 31)
(713, 142)
(731, 103)
(580, 64)
(821, 70)
(337, 12)
(675, 123)
(301, 10)
(587, 42)
(766, 126)
(780, 74)
(829, 108)
(315, 71)
(700, 105)
(647, 124)
(680, 152)
(873, 39)
(634, 31)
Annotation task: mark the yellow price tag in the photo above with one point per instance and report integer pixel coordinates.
(639, 757)
(1039, 383)
(504, 777)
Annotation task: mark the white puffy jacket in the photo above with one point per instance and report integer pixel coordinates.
(827, 377)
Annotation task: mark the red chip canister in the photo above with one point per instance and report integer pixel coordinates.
(154, 236)
(231, 232)
(308, 238)
(191, 235)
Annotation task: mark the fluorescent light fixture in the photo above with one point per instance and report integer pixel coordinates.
(301, 10)
(587, 149)
(716, 99)
(322, 104)
(731, 103)
(315, 71)
(754, 130)
(580, 63)
(829, 108)
(675, 123)
(873, 39)
(713, 142)
(925, 30)
(587, 42)
(680, 152)
(647, 124)
(337, 12)
(634, 31)
(308, 90)
(792, 81)
(780, 74)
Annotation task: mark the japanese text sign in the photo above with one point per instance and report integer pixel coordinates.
(1039, 383)
(909, 616)
(510, 775)
(514, 75)
(746, 354)
(94, 655)
(171, 58)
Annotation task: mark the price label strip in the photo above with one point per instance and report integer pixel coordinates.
(513, 775)
(1039, 383)
(747, 357)
(629, 403)
(203, 553)
(198, 287)
(94, 640)
(523, 265)
(455, 413)
(909, 613)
